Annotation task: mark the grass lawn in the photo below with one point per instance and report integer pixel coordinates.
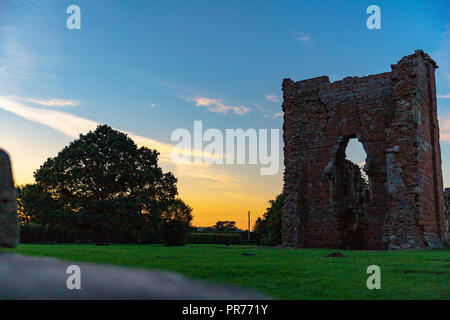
(280, 273)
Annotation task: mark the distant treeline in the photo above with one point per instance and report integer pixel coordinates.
(36, 233)
(222, 237)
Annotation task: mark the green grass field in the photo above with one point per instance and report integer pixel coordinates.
(280, 273)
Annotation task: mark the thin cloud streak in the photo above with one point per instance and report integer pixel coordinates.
(277, 115)
(303, 37)
(53, 102)
(444, 126)
(272, 98)
(217, 105)
(63, 122)
(72, 125)
(200, 100)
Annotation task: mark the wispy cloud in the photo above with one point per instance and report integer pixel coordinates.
(199, 97)
(24, 60)
(443, 60)
(272, 98)
(277, 115)
(53, 102)
(303, 37)
(217, 105)
(269, 112)
(63, 122)
(152, 105)
(72, 125)
(443, 84)
(444, 126)
(218, 178)
(16, 62)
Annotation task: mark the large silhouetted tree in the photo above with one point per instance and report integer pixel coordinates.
(104, 183)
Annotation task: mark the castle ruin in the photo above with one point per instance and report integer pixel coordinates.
(328, 204)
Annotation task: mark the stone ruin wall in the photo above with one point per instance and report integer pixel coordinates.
(9, 224)
(447, 202)
(394, 116)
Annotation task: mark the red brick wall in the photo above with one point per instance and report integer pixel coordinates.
(394, 116)
(447, 202)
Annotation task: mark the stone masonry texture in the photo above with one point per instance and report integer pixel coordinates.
(9, 224)
(328, 204)
(447, 202)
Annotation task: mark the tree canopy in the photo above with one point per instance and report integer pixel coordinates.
(270, 225)
(101, 182)
(176, 221)
(225, 226)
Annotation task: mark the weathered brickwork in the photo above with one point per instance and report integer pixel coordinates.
(393, 114)
(447, 202)
(9, 225)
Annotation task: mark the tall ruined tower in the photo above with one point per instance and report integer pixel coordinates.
(393, 114)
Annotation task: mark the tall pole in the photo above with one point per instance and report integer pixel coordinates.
(249, 226)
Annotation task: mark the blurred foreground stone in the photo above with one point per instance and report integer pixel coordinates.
(23, 277)
(9, 224)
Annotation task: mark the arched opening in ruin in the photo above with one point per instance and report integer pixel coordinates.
(345, 170)
(355, 153)
(351, 185)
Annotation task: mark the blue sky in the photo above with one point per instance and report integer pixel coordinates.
(150, 67)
